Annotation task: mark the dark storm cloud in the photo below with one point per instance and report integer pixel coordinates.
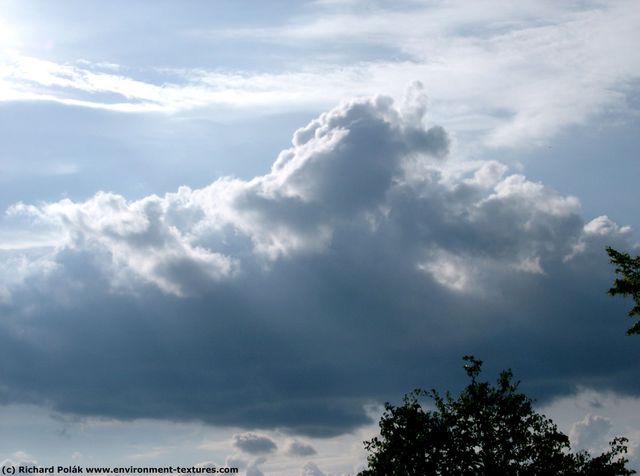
(358, 268)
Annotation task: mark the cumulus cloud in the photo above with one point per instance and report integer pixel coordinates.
(299, 448)
(235, 461)
(272, 303)
(138, 239)
(340, 164)
(206, 464)
(254, 471)
(590, 433)
(311, 469)
(19, 458)
(253, 468)
(252, 443)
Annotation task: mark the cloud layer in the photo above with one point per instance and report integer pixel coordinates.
(359, 267)
(516, 76)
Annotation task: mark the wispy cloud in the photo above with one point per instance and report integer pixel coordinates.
(513, 76)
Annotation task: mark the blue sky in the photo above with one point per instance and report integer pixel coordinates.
(230, 231)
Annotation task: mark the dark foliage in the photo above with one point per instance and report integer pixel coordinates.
(488, 430)
(627, 283)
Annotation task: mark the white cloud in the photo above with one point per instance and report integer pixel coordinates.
(449, 270)
(207, 464)
(531, 265)
(592, 418)
(136, 235)
(518, 188)
(604, 226)
(516, 76)
(311, 469)
(19, 458)
(329, 173)
(488, 175)
(355, 163)
(600, 233)
(590, 433)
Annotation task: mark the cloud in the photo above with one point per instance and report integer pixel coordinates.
(340, 164)
(207, 464)
(311, 469)
(252, 443)
(19, 458)
(137, 239)
(235, 461)
(360, 266)
(515, 77)
(590, 433)
(298, 448)
(593, 418)
(254, 471)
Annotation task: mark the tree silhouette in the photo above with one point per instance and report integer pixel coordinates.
(487, 430)
(627, 283)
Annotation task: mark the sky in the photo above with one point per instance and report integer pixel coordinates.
(230, 231)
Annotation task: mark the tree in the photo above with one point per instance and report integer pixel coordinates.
(627, 283)
(487, 430)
